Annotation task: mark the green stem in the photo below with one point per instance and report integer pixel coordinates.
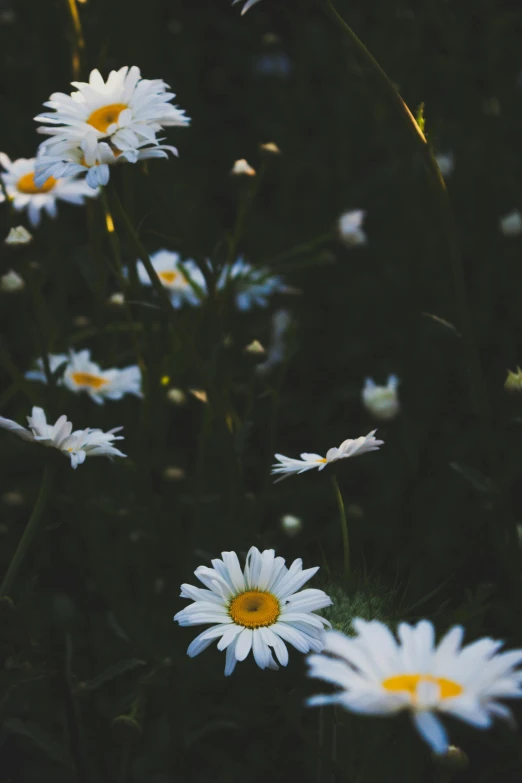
(344, 526)
(30, 530)
(478, 392)
(78, 40)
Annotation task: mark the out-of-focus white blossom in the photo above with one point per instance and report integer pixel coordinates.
(11, 282)
(18, 235)
(242, 168)
(511, 224)
(350, 228)
(381, 401)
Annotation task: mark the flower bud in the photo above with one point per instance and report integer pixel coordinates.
(11, 282)
(513, 382)
(176, 396)
(381, 401)
(18, 236)
(511, 224)
(270, 148)
(350, 228)
(291, 525)
(242, 168)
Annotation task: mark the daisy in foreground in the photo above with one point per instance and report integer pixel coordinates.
(83, 375)
(77, 445)
(379, 676)
(258, 608)
(183, 280)
(24, 193)
(348, 448)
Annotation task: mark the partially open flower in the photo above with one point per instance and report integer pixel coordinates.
(381, 401)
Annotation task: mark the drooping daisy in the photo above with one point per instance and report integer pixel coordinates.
(252, 286)
(81, 374)
(350, 228)
(379, 676)
(92, 158)
(24, 193)
(381, 401)
(348, 448)
(125, 111)
(183, 280)
(247, 5)
(77, 445)
(257, 609)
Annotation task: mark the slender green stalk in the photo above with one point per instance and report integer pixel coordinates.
(344, 526)
(78, 40)
(30, 530)
(478, 392)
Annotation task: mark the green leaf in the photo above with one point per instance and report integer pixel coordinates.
(42, 740)
(122, 667)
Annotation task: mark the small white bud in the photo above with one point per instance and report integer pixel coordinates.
(18, 236)
(291, 524)
(242, 168)
(11, 282)
(176, 396)
(511, 224)
(381, 401)
(350, 228)
(254, 348)
(116, 299)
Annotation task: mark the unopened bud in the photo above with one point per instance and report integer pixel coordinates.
(176, 396)
(291, 525)
(350, 228)
(270, 148)
(254, 349)
(117, 299)
(18, 236)
(11, 282)
(242, 168)
(381, 401)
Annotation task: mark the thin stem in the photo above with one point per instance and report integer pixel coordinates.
(478, 392)
(344, 526)
(79, 42)
(30, 530)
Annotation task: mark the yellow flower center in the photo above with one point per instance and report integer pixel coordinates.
(26, 184)
(167, 277)
(323, 460)
(448, 689)
(254, 609)
(86, 379)
(105, 116)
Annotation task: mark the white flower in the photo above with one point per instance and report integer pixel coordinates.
(11, 282)
(252, 286)
(125, 111)
(511, 224)
(381, 401)
(183, 280)
(77, 445)
(379, 676)
(90, 157)
(83, 375)
(348, 448)
(257, 609)
(446, 163)
(24, 193)
(291, 524)
(243, 167)
(350, 228)
(247, 5)
(18, 236)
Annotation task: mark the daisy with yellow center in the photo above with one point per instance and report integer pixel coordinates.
(183, 279)
(288, 466)
(24, 192)
(125, 112)
(81, 374)
(378, 675)
(257, 609)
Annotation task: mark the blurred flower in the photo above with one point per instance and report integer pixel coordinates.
(183, 280)
(173, 473)
(18, 236)
(83, 375)
(254, 348)
(270, 148)
(291, 525)
(242, 167)
(176, 396)
(13, 499)
(11, 282)
(248, 4)
(379, 676)
(256, 609)
(446, 163)
(199, 394)
(123, 113)
(350, 228)
(24, 193)
(81, 321)
(281, 321)
(77, 445)
(348, 448)
(381, 401)
(252, 286)
(117, 299)
(513, 382)
(511, 224)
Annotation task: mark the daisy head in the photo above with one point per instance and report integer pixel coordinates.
(77, 445)
(125, 111)
(257, 609)
(287, 466)
(183, 279)
(377, 675)
(81, 374)
(251, 286)
(381, 401)
(24, 193)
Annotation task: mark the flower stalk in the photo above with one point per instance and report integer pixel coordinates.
(344, 526)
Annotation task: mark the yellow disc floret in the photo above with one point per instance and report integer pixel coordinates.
(254, 609)
(448, 689)
(87, 379)
(26, 184)
(105, 116)
(168, 277)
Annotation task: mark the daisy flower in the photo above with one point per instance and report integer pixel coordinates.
(81, 374)
(183, 280)
(92, 158)
(126, 111)
(252, 286)
(381, 401)
(348, 448)
(258, 608)
(77, 445)
(24, 193)
(350, 227)
(247, 5)
(379, 676)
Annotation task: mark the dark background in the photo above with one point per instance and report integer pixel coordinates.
(433, 517)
